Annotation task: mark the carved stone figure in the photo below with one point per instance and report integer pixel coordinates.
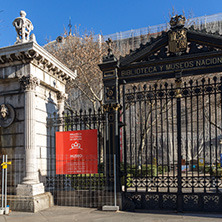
(23, 27)
(4, 112)
(7, 115)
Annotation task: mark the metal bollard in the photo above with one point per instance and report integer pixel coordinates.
(5, 163)
(3, 171)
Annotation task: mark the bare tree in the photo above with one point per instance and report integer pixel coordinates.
(81, 53)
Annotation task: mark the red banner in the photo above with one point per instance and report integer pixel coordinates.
(76, 152)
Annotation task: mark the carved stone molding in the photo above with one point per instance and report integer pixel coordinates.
(19, 56)
(61, 96)
(29, 83)
(31, 53)
(36, 58)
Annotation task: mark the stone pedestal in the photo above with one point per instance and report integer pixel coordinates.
(30, 198)
(30, 189)
(30, 203)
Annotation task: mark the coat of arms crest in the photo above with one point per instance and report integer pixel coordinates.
(177, 35)
(177, 40)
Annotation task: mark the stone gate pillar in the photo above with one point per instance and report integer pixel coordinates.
(32, 85)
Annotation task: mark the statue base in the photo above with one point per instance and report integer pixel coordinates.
(30, 204)
(30, 190)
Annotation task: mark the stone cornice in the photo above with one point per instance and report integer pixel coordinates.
(31, 51)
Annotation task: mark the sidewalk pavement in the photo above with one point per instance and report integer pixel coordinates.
(72, 214)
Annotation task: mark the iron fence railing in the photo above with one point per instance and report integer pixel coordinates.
(151, 146)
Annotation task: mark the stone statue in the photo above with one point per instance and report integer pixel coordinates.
(23, 27)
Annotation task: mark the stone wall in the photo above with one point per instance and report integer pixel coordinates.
(46, 106)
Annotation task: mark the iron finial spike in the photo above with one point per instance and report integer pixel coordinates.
(70, 26)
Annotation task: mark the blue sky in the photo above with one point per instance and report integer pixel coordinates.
(49, 17)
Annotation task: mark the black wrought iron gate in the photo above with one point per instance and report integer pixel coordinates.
(172, 145)
(172, 140)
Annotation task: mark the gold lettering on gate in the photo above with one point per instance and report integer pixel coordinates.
(173, 66)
